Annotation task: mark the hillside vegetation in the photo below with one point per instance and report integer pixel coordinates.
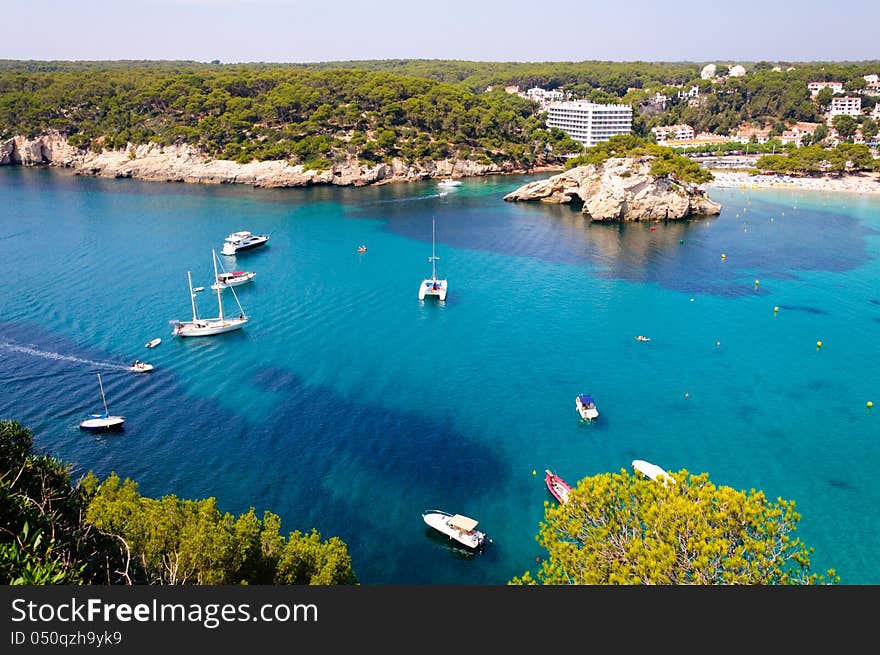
(318, 114)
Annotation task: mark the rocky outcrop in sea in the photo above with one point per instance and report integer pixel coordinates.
(621, 189)
(185, 163)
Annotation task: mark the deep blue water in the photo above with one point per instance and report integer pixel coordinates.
(347, 405)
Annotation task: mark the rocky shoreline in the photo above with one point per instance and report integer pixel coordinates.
(184, 163)
(621, 189)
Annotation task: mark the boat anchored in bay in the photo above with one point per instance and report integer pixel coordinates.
(586, 407)
(243, 240)
(456, 526)
(103, 421)
(433, 286)
(204, 327)
(557, 486)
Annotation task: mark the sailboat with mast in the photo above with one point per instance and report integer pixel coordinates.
(205, 327)
(433, 286)
(102, 421)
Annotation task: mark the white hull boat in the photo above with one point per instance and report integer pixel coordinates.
(233, 279)
(153, 343)
(448, 182)
(586, 407)
(102, 421)
(652, 471)
(239, 241)
(206, 327)
(140, 367)
(455, 526)
(432, 286)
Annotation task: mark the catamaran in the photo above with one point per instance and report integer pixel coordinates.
(204, 327)
(433, 286)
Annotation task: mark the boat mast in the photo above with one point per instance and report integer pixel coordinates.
(433, 256)
(192, 296)
(103, 399)
(217, 284)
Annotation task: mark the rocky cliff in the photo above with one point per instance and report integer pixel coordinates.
(621, 189)
(184, 163)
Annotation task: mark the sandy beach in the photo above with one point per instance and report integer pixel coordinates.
(853, 183)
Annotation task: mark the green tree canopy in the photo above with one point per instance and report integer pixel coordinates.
(618, 528)
(666, 162)
(824, 96)
(179, 541)
(43, 538)
(846, 126)
(53, 531)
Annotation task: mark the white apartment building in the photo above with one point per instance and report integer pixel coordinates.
(876, 113)
(848, 106)
(537, 93)
(589, 122)
(673, 132)
(871, 78)
(815, 87)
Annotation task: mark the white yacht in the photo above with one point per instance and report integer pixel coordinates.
(455, 526)
(432, 286)
(449, 182)
(205, 327)
(238, 241)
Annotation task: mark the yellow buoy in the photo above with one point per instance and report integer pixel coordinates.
(534, 472)
(869, 404)
(776, 309)
(757, 282)
(818, 344)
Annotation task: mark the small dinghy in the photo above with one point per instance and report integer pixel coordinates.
(152, 344)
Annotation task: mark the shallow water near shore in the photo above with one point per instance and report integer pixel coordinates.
(349, 406)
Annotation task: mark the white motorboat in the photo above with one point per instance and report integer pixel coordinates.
(432, 286)
(238, 241)
(140, 367)
(233, 279)
(102, 421)
(205, 327)
(448, 182)
(152, 344)
(455, 526)
(652, 471)
(586, 407)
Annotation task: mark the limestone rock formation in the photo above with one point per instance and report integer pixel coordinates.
(185, 163)
(621, 189)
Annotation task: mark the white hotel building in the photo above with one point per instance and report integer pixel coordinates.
(588, 122)
(849, 106)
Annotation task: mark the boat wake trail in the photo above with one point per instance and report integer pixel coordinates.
(429, 196)
(47, 354)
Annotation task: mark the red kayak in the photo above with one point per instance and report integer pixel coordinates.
(557, 486)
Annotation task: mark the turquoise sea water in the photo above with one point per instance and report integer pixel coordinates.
(349, 406)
